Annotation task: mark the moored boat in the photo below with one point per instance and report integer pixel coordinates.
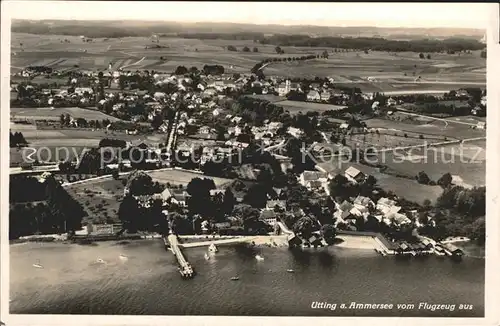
(212, 248)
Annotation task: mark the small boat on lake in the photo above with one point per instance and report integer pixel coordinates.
(212, 248)
(235, 278)
(123, 257)
(37, 266)
(290, 271)
(100, 261)
(259, 257)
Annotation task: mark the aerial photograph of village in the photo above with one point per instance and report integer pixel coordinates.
(160, 167)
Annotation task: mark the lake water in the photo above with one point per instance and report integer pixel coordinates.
(147, 281)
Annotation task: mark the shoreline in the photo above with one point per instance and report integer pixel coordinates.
(355, 242)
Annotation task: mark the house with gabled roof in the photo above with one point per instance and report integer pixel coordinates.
(313, 96)
(313, 179)
(175, 196)
(354, 175)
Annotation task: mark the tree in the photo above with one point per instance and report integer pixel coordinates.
(305, 226)
(221, 133)
(199, 201)
(246, 49)
(256, 196)
(249, 214)
(483, 54)
(231, 48)
(423, 178)
(279, 50)
(139, 183)
(157, 121)
(115, 174)
(445, 180)
(325, 54)
(421, 56)
(428, 56)
(228, 201)
(255, 49)
(181, 70)
(328, 232)
(478, 230)
(337, 186)
(128, 213)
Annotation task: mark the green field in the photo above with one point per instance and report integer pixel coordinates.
(299, 106)
(442, 72)
(430, 128)
(402, 187)
(180, 177)
(100, 199)
(55, 113)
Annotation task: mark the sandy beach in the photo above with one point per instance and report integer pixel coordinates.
(270, 240)
(357, 242)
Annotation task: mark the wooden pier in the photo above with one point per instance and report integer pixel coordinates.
(185, 267)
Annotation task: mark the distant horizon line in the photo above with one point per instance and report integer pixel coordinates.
(248, 23)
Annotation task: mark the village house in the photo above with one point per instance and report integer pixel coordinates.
(268, 216)
(276, 204)
(313, 179)
(315, 86)
(209, 92)
(175, 196)
(82, 90)
(462, 93)
(354, 175)
(205, 130)
(295, 132)
(325, 96)
(391, 102)
(287, 87)
(313, 96)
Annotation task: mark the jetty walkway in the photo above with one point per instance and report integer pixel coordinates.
(185, 268)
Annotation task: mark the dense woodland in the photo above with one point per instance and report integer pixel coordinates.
(46, 208)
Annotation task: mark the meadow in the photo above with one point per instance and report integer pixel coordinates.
(406, 188)
(100, 199)
(393, 72)
(430, 128)
(50, 113)
(181, 177)
(298, 106)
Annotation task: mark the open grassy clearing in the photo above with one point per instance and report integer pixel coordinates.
(55, 113)
(298, 106)
(430, 127)
(402, 187)
(268, 97)
(100, 199)
(46, 153)
(179, 177)
(382, 141)
(349, 67)
(468, 164)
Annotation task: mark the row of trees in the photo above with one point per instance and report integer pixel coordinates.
(259, 65)
(375, 43)
(244, 49)
(445, 180)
